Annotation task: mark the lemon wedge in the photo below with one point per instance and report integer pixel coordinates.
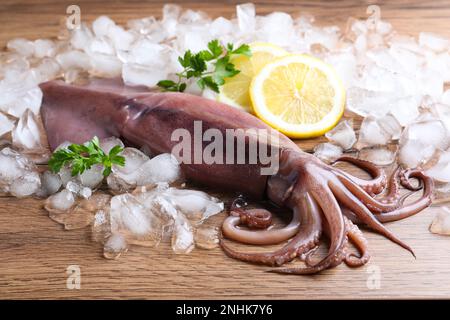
(235, 90)
(299, 95)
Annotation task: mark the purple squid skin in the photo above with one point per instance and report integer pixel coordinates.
(105, 108)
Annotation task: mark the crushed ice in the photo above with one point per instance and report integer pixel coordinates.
(146, 208)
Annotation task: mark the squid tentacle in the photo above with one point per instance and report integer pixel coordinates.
(407, 210)
(363, 213)
(257, 219)
(370, 202)
(405, 177)
(374, 186)
(393, 192)
(337, 233)
(307, 236)
(357, 238)
(418, 205)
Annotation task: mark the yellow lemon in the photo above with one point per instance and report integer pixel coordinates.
(299, 95)
(235, 90)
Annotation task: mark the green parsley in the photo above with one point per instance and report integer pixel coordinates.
(197, 65)
(81, 157)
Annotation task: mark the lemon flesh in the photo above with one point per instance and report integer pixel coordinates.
(299, 95)
(235, 90)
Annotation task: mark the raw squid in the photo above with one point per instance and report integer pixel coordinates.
(325, 201)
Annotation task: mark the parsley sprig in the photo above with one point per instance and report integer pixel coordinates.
(197, 65)
(81, 157)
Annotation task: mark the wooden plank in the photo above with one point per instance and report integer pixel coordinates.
(36, 251)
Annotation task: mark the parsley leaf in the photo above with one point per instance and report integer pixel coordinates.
(81, 157)
(196, 65)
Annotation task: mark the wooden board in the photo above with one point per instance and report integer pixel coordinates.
(35, 251)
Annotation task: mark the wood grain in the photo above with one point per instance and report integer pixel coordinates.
(36, 251)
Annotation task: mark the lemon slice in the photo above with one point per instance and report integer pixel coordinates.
(235, 90)
(299, 95)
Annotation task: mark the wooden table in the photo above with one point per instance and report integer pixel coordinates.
(35, 251)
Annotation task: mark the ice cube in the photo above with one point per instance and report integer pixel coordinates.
(102, 25)
(413, 153)
(26, 185)
(48, 69)
(143, 26)
(365, 102)
(440, 64)
(115, 246)
(405, 42)
(44, 48)
(23, 100)
(50, 183)
(93, 177)
(430, 133)
(433, 41)
(206, 238)
(327, 152)
(195, 205)
(108, 143)
(325, 38)
(162, 208)
(405, 110)
(75, 76)
(343, 135)
(129, 215)
(390, 125)
(445, 98)
(21, 46)
(277, 28)
(443, 113)
(441, 170)
(182, 236)
(101, 45)
(101, 228)
(29, 133)
(147, 53)
(121, 38)
(345, 64)
(60, 202)
(162, 168)
(134, 74)
(85, 192)
(430, 82)
(13, 165)
(126, 177)
(105, 65)
(73, 187)
(221, 27)
(74, 60)
(75, 218)
(381, 156)
(171, 13)
(66, 175)
(81, 37)
(12, 63)
(383, 27)
(371, 134)
(193, 39)
(441, 222)
(246, 17)
(6, 124)
(98, 201)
